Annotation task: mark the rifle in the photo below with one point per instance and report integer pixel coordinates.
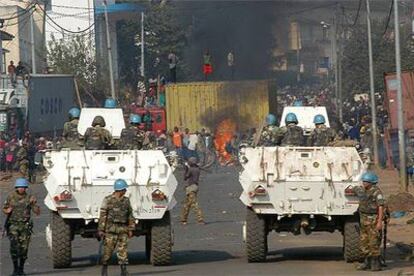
(101, 241)
(384, 236)
(6, 226)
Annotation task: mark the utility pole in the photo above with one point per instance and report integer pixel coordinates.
(372, 88)
(1, 47)
(142, 46)
(108, 42)
(401, 136)
(335, 61)
(298, 51)
(32, 42)
(339, 62)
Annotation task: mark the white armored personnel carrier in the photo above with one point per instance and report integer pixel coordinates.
(78, 181)
(300, 190)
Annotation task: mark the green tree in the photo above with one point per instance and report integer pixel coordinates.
(355, 64)
(74, 56)
(163, 33)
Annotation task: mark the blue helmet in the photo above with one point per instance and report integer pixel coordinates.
(110, 103)
(370, 177)
(134, 119)
(319, 119)
(291, 118)
(74, 112)
(270, 119)
(120, 185)
(21, 183)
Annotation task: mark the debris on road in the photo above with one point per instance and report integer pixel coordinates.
(401, 202)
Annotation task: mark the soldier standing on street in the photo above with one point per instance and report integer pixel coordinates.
(97, 137)
(271, 134)
(70, 130)
(192, 176)
(116, 225)
(18, 207)
(371, 212)
(292, 133)
(23, 160)
(321, 136)
(132, 138)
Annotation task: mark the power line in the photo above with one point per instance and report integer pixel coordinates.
(28, 9)
(64, 29)
(389, 17)
(357, 15)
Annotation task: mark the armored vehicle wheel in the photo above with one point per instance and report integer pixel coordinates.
(256, 237)
(352, 252)
(161, 241)
(61, 242)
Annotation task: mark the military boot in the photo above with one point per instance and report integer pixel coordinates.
(376, 264)
(366, 265)
(124, 271)
(21, 267)
(104, 271)
(15, 267)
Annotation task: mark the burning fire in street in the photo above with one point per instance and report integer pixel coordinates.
(224, 132)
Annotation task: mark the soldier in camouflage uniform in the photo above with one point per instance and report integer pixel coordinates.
(292, 133)
(371, 212)
(271, 134)
(18, 207)
(116, 225)
(132, 138)
(97, 137)
(192, 176)
(71, 137)
(321, 136)
(23, 160)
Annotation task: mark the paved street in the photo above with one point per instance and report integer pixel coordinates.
(213, 249)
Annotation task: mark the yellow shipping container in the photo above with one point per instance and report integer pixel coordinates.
(199, 105)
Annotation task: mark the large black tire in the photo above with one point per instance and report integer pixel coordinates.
(256, 237)
(61, 242)
(352, 251)
(161, 241)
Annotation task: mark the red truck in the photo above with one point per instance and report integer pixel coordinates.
(158, 117)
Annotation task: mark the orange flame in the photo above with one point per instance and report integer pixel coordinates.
(224, 132)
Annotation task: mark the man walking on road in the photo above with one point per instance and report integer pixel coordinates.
(116, 225)
(207, 65)
(18, 207)
(192, 176)
(230, 64)
(371, 212)
(172, 61)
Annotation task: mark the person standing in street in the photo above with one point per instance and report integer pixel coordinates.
(11, 70)
(22, 159)
(371, 212)
(18, 208)
(192, 178)
(207, 65)
(116, 225)
(172, 61)
(230, 64)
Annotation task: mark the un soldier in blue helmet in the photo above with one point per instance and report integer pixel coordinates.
(321, 136)
(18, 208)
(292, 133)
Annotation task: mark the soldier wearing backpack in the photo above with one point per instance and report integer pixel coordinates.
(97, 137)
(132, 137)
